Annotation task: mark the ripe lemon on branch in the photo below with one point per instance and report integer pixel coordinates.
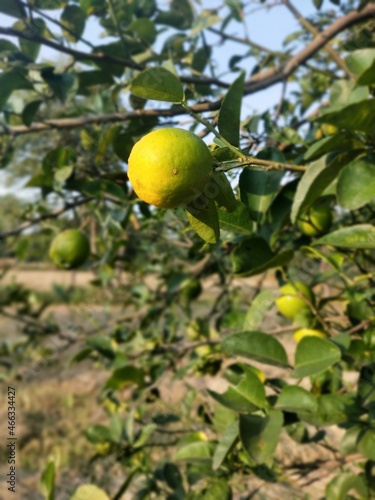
(69, 249)
(169, 167)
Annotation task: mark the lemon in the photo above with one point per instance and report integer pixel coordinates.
(69, 249)
(169, 167)
(316, 220)
(290, 302)
(298, 335)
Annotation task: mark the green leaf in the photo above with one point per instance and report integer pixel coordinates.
(259, 307)
(296, 399)
(248, 395)
(89, 491)
(7, 47)
(98, 434)
(95, 77)
(73, 18)
(333, 409)
(260, 435)
(356, 183)
(230, 111)
(256, 345)
(15, 79)
(204, 21)
(158, 84)
(318, 3)
(63, 174)
(173, 477)
(238, 221)
(124, 376)
(342, 141)
(198, 451)
(254, 256)
(361, 236)
(114, 49)
(13, 8)
(356, 117)
(315, 180)
(146, 433)
(47, 481)
(314, 355)
(258, 189)
(99, 188)
(220, 184)
(144, 29)
(63, 85)
(203, 217)
(225, 445)
(368, 75)
(359, 61)
(29, 48)
(29, 112)
(339, 487)
(58, 158)
(366, 444)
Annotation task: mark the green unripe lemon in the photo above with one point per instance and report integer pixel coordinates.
(69, 249)
(290, 302)
(169, 167)
(316, 220)
(298, 335)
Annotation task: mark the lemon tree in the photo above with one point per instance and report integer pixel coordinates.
(228, 235)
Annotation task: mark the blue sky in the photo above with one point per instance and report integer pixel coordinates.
(266, 27)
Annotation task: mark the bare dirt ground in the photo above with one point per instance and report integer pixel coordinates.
(54, 399)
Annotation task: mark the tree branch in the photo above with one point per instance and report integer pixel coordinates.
(314, 31)
(51, 215)
(257, 82)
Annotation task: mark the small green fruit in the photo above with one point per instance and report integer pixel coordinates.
(316, 220)
(70, 249)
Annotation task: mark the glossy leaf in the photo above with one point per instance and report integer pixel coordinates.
(260, 435)
(256, 345)
(248, 395)
(158, 84)
(343, 141)
(356, 183)
(258, 189)
(203, 217)
(127, 375)
(238, 221)
(361, 236)
(47, 481)
(254, 256)
(296, 399)
(340, 486)
(29, 112)
(230, 111)
(13, 8)
(196, 451)
(366, 444)
(63, 85)
(314, 355)
(225, 445)
(260, 305)
(356, 117)
(314, 181)
(333, 409)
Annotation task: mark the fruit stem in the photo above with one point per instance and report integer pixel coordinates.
(243, 160)
(212, 129)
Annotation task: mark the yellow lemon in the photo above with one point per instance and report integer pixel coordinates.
(69, 249)
(169, 167)
(298, 335)
(290, 302)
